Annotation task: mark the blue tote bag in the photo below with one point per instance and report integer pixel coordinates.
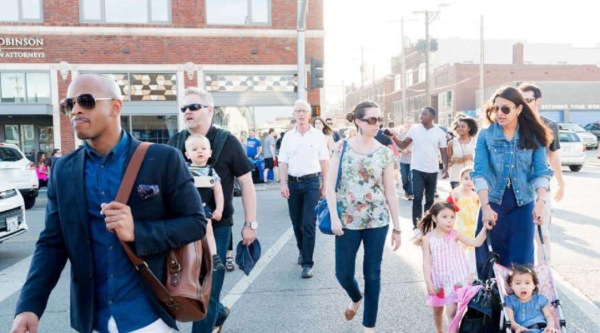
(322, 210)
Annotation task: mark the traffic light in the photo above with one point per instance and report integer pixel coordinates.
(316, 111)
(433, 46)
(316, 73)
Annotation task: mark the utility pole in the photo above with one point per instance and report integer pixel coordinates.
(362, 71)
(482, 69)
(429, 17)
(343, 98)
(302, 9)
(403, 72)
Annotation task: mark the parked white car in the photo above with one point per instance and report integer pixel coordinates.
(588, 139)
(12, 212)
(17, 171)
(572, 150)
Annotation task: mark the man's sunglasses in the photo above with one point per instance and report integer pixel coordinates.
(371, 120)
(505, 109)
(85, 101)
(193, 107)
(530, 100)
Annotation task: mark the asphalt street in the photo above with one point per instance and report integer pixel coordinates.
(278, 300)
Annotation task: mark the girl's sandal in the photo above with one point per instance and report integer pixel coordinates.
(229, 264)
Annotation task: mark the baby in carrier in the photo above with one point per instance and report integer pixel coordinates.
(208, 184)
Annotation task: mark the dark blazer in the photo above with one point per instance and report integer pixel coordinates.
(169, 220)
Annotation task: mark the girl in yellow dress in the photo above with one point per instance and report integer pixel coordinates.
(467, 202)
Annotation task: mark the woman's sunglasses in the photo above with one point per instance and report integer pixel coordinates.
(85, 101)
(371, 120)
(505, 109)
(192, 107)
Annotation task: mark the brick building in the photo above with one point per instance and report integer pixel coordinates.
(242, 51)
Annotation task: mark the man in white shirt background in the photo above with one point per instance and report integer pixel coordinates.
(427, 139)
(303, 161)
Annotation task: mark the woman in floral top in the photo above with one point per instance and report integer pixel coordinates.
(365, 198)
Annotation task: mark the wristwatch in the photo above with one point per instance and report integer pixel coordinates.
(253, 225)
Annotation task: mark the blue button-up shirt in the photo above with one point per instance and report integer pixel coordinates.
(117, 289)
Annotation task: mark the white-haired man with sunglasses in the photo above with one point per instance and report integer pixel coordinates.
(230, 162)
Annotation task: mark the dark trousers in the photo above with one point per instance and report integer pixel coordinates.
(422, 182)
(304, 197)
(346, 247)
(406, 178)
(512, 237)
(216, 315)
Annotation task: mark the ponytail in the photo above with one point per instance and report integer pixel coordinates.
(427, 224)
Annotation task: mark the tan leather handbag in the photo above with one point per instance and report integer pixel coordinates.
(189, 268)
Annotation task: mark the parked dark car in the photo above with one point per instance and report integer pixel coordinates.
(593, 128)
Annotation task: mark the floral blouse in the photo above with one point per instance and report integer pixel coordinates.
(361, 196)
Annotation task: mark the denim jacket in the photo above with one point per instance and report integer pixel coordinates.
(494, 159)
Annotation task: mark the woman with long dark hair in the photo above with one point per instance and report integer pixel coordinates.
(367, 202)
(512, 177)
(461, 149)
(321, 125)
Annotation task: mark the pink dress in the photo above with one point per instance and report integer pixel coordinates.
(39, 170)
(449, 269)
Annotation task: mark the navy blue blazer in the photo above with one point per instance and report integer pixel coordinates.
(169, 220)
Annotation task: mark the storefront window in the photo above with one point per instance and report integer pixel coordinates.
(156, 129)
(13, 87)
(238, 12)
(28, 140)
(38, 88)
(11, 134)
(239, 120)
(46, 140)
(126, 11)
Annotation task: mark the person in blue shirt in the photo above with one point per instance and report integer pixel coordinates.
(527, 310)
(511, 177)
(85, 224)
(253, 146)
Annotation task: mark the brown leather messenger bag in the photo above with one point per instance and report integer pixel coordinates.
(189, 268)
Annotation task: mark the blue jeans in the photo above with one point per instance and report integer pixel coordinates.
(216, 315)
(422, 182)
(304, 197)
(406, 178)
(512, 237)
(346, 247)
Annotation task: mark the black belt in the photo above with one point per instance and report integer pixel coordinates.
(304, 178)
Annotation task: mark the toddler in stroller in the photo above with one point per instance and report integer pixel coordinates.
(527, 310)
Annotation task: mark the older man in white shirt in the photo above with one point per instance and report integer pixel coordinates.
(303, 162)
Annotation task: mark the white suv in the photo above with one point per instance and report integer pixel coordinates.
(17, 171)
(572, 150)
(12, 212)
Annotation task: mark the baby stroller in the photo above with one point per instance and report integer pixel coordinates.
(486, 311)
(546, 288)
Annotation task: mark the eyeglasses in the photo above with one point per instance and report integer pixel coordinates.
(371, 120)
(530, 100)
(505, 109)
(86, 101)
(301, 111)
(192, 107)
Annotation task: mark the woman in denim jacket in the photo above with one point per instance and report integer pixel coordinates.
(512, 177)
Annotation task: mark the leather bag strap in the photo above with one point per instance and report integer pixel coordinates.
(123, 197)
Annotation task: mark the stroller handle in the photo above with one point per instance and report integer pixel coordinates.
(539, 227)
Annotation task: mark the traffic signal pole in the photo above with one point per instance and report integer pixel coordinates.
(302, 9)
(429, 17)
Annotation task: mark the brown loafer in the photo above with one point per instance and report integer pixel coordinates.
(349, 314)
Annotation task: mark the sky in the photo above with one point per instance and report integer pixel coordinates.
(352, 24)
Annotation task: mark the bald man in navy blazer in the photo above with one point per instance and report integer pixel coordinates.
(84, 224)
